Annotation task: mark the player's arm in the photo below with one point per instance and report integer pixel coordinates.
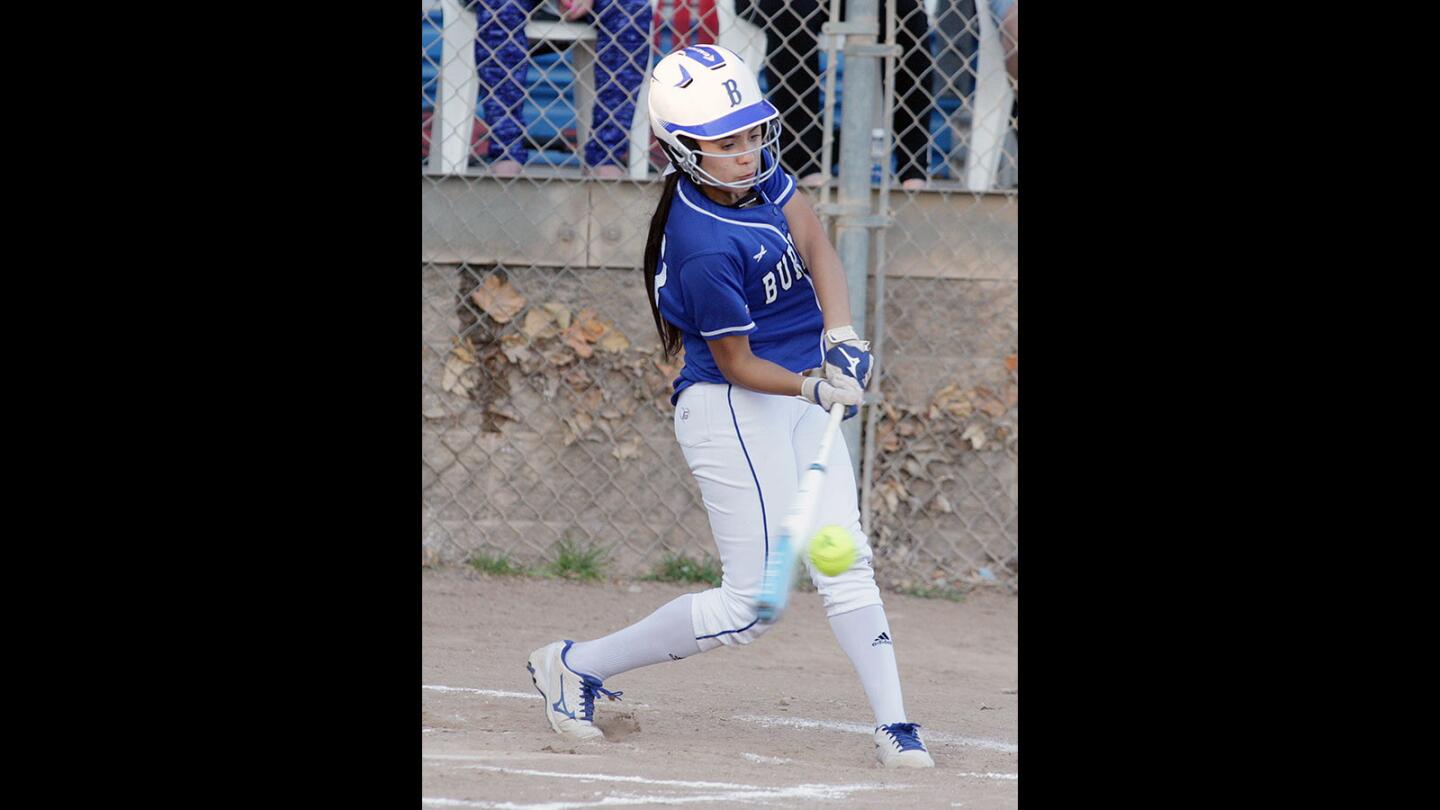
(821, 259)
(741, 367)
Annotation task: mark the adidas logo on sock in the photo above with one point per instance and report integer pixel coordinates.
(674, 657)
(883, 638)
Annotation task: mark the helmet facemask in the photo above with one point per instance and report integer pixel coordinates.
(687, 159)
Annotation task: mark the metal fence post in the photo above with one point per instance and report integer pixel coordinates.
(852, 231)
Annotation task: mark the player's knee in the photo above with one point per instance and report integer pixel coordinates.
(851, 590)
(740, 605)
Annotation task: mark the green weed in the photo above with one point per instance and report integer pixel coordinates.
(574, 560)
(680, 568)
(499, 565)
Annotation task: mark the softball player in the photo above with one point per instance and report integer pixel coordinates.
(739, 271)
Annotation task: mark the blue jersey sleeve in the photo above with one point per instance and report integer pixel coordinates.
(713, 289)
(778, 187)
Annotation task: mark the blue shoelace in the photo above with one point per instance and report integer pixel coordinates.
(588, 687)
(904, 734)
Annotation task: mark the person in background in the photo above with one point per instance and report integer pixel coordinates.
(622, 51)
(792, 71)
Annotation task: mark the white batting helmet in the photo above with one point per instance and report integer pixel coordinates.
(707, 92)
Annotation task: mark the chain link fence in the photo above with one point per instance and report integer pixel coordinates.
(545, 398)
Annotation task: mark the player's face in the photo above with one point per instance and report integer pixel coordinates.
(745, 148)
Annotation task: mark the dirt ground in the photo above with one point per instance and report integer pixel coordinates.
(781, 723)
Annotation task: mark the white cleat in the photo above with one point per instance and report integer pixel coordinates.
(569, 697)
(898, 745)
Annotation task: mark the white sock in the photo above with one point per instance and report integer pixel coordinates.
(665, 635)
(864, 634)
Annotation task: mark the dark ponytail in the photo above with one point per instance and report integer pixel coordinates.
(670, 339)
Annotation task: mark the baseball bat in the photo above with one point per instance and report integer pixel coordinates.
(795, 529)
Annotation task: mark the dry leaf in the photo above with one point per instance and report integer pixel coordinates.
(577, 426)
(941, 504)
(589, 326)
(614, 342)
(517, 354)
(952, 400)
(576, 378)
(975, 435)
(593, 399)
(890, 496)
(1012, 362)
(574, 340)
(539, 324)
(499, 411)
(514, 348)
(560, 313)
(610, 413)
(498, 299)
(559, 357)
(913, 467)
(627, 450)
(890, 443)
(453, 379)
(465, 350)
(907, 428)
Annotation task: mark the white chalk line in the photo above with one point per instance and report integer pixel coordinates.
(491, 756)
(932, 736)
(486, 692)
(1011, 777)
(764, 760)
(732, 792)
(500, 694)
(771, 722)
(623, 799)
(600, 777)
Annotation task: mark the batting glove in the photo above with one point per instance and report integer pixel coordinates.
(825, 394)
(846, 355)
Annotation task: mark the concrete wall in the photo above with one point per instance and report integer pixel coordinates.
(501, 469)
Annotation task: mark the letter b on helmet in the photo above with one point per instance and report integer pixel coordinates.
(733, 89)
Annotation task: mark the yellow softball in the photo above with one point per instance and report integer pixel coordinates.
(832, 550)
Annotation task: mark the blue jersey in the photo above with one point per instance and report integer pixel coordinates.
(734, 271)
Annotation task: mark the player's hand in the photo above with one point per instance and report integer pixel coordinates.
(574, 9)
(825, 393)
(846, 355)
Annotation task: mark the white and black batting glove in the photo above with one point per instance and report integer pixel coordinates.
(825, 393)
(846, 355)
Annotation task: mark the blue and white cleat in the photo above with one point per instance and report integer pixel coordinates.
(898, 745)
(569, 697)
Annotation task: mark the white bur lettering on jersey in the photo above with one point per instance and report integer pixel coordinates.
(790, 269)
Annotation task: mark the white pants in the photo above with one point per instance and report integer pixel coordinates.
(747, 451)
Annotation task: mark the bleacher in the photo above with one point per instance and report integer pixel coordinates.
(550, 111)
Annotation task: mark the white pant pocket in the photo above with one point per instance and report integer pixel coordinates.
(692, 418)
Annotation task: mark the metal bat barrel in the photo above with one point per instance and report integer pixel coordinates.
(795, 529)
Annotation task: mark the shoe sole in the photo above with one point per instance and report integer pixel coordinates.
(903, 761)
